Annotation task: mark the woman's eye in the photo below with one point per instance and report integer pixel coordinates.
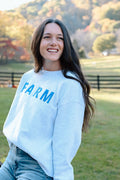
(61, 38)
(46, 37)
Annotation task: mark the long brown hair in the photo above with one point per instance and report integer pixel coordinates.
(69, 61)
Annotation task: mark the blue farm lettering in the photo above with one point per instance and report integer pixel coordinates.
(37, 92)
(29, 90)
(44, 95)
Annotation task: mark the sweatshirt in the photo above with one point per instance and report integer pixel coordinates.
(45, 120)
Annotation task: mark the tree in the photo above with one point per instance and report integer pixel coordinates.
(113, 12)
(82, 53)
(7, 49)
(118, 40)
(104, 17)
(83, 38)
(15, 26)
(104, 42)
(10, 49)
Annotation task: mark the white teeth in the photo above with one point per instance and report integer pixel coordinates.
(52, 50)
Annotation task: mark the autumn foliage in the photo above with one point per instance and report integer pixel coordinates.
(86, 20)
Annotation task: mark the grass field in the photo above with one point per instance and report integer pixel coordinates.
(16, 67)
(98, 157)
(109, 65)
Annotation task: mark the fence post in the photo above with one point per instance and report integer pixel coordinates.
(98, 82)
(12, 78)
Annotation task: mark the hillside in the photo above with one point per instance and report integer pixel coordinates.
(86, 20)
(74, 13)
(66, 10)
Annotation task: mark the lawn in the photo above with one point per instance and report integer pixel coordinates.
(98, 157)
(109, 65)
(6, 96)
(16, 67)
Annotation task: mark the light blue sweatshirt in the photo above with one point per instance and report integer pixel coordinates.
(45, 120)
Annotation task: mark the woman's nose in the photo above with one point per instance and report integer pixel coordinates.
(53, 41)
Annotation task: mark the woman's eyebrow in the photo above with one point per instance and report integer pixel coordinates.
(50, 34)
(60, 35)
(46, 34)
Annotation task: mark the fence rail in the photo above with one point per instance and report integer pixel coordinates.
(11, 79)
(104, 82)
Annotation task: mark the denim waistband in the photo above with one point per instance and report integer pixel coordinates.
(17, 150)
(20, 164)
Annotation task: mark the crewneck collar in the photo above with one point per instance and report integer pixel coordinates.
(52, 72)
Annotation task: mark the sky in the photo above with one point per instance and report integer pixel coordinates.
(11, 4)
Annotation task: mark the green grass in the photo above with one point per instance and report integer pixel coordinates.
(16, 67)
(6, 96)
(109, 65)
(98, 157)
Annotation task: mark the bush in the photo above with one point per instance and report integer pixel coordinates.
(104, 42)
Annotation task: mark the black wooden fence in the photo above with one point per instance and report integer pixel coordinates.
(104, 82)
(8, 79)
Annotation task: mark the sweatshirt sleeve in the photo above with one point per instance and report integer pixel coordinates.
(67, 131)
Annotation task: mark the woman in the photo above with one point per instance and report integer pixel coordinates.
(50, 109)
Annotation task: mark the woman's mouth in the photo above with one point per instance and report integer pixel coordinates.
(52, 50)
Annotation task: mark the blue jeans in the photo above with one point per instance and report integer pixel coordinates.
(19, 165)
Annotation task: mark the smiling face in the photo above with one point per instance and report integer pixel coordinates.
(51, 46)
